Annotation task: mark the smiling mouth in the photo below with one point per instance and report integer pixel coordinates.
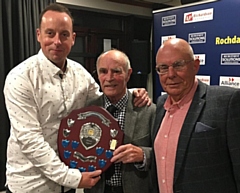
(56, 50)
(173, 84)
(110, 86)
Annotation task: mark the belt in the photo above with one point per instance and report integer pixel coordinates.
(113, 189)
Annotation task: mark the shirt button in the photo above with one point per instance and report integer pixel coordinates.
(171, 116)
(163, 181)
(163, 157)
(165, 136)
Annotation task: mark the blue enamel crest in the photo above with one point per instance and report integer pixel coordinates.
(109, 154)
(91, 168)
(82, 169)
(66, 154)
(102, 163)
(99, 150)
(73, 164)
(65, 143)
(75, 144)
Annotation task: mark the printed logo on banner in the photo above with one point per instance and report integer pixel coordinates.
(197, 16)
(201, 57)
(162, 93)
(165, 38)
(203, 78)
(229, 81)
(228, 40)
(197, 38)
(169, 20)
(230, 59)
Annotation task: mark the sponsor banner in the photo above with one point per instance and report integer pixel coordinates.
(201, 57)
(165, 38)
(204, 78)
(228, 40)
(169, 20)
(198, 16)
(230, 59)
(213, 33)
(229, 81)
(197, 38)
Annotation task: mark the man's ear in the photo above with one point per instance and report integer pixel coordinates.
(38, 34)
(129, 74)
(196, 65)
(73, 38)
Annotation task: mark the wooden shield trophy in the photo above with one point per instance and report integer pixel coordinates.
(87, 138)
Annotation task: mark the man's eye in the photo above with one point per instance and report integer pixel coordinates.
(49, 32)
(65, 34)
(163, 67)
(117, 71)
(102, 71)
(178, 64)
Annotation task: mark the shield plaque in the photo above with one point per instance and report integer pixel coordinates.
(87, 138)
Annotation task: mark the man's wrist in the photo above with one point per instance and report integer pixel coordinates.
(141, 165)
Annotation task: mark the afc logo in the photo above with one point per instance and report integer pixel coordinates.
(189, 17)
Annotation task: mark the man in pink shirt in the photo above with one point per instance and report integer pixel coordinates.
(197, 128)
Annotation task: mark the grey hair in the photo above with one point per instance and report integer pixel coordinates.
(123, 55)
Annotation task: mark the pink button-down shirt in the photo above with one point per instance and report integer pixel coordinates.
(166, 141)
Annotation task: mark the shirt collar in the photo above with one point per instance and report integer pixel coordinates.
(120, 104)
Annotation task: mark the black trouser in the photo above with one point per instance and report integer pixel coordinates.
(113, 189)
(7, 190)
(70, 191)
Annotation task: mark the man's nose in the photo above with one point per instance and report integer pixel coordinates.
(57, 39)
(109, 76)
(171, 71)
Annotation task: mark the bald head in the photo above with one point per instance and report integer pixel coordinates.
(176, 45)
(117, 56)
